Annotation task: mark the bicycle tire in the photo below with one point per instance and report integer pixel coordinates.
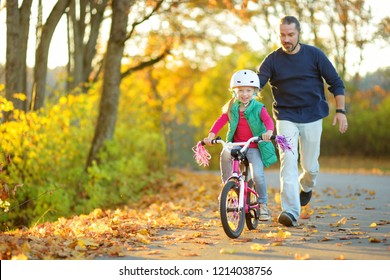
(252, 216)
(232, 218)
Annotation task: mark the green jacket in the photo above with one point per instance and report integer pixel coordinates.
(252, 114)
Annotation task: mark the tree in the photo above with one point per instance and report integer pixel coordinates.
(112, 76)
(42, 54)
(82, 40)
(108, 109)
(17, 37)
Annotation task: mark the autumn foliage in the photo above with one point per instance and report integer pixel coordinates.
(43, 156)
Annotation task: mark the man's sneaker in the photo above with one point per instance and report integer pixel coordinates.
(305, 197)
(287, 219)
(264, 213)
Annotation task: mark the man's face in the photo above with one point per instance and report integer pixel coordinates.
(289, 37)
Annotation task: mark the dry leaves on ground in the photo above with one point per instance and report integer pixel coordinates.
(187, 202)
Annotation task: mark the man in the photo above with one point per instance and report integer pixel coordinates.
(295, 72)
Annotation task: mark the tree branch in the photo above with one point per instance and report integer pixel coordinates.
(145, 64)
(135, 24)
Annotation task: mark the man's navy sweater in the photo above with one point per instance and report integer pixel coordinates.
(297, 83)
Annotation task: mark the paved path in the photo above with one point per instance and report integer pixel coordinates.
(350, 220)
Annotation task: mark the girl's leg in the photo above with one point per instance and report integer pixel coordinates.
(256, 167)
(225, 165)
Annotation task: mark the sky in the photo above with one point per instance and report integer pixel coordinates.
(375, 56)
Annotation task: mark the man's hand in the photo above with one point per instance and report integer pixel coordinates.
(342, 120)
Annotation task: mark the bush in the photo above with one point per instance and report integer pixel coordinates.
(43, 156)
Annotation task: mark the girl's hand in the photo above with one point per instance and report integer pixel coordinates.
(208, 139)
(267, 135)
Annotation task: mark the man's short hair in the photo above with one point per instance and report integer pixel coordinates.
(290, 20)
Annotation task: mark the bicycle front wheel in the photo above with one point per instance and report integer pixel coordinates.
(232, 218)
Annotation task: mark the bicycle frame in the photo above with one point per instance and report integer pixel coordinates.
(238, 159)
(236, 211)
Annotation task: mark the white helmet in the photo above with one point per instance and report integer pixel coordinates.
(245, 78)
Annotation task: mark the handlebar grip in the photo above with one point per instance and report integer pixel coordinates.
(273, 137)
(214, 141)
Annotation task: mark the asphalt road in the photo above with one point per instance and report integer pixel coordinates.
(350, 220)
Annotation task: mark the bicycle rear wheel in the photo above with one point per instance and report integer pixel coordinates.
(252, 217)
(232, 218)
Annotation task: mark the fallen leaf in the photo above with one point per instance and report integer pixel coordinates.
(343, 221)
(374, 240)
(325, 239)
(227, 251)
(258, 247)
(341, 258)
(298, 256)
(191, 254)
(306, 212)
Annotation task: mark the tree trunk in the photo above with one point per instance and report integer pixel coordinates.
(108, 110)
(16, 53)
(83, 51)
(90, 47)
(42, 54)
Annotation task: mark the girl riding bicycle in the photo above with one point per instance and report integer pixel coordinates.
(247, 117)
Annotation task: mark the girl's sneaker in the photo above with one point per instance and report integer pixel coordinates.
(264, 213)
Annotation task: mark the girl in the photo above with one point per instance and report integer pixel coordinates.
(247, 117)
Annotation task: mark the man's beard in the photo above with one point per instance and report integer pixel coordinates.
(290, 50)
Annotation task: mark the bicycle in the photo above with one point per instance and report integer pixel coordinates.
(238, 202)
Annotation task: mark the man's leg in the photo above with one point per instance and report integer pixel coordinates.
(310, 142)
(289, 186)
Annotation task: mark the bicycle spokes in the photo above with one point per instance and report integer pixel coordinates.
(232, 215)
(232, 209)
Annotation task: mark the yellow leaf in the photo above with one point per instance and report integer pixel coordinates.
(341, 222)
(20, 96)
(283, 234)
(373, 225)
(143, 231)
(300, 257)
(341, 258)
(20, 257)
(81, 244)
(277, 198)
(306, 212)
(227, 251)
(197, 234)
(258, 247)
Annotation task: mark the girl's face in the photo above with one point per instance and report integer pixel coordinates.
(244, 94)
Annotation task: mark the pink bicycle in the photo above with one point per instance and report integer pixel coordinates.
(238, 202)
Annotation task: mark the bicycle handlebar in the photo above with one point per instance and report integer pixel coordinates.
(202, 156)
(245, 145)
